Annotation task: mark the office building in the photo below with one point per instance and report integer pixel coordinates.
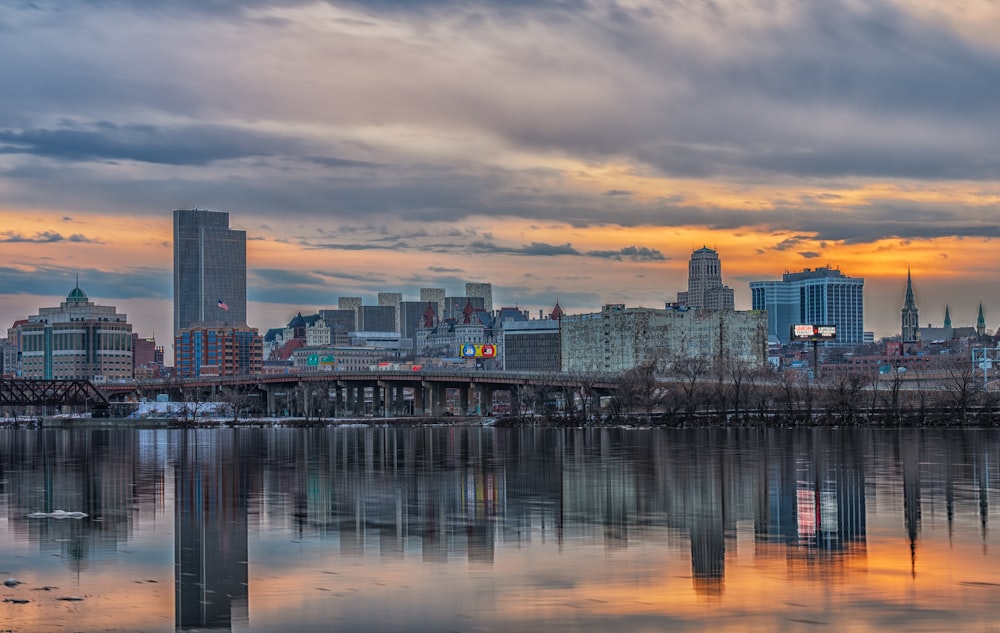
(705, 288)
(76, 341)
(529, 345)
(216, 349)
(377, 319)
(210, 270)
(618, 339)
(823, 296)
(392, 300)
(482, 290)
(436, 296)
(455, 307)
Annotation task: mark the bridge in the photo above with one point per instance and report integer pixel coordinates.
(54, 393)
(379, 393)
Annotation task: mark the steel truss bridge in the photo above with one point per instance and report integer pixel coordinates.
(52, 393)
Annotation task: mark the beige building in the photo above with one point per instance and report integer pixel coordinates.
(78, 340)
(618, 338)
(705, 288)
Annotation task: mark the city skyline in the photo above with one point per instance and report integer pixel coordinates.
(571, 151)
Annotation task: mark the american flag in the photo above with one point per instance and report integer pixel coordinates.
(223, 305)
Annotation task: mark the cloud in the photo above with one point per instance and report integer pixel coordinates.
(46, 237)
(632, 253)
(103, 140)
(102, 286)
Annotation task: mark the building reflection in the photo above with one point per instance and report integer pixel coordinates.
(210, 536)
(441, 495)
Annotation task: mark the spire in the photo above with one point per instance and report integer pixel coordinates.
(557, 312)
(947, 316)
(910, 322)
(909, 302)
(981, 321)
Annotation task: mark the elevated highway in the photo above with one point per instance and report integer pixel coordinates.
(380, 393)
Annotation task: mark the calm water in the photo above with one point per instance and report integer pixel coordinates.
(466, 530)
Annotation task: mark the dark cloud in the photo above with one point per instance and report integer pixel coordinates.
(101, 286)
(632, 253)
(189, 145)
(338, 163)
(46, 237)
(283, 277)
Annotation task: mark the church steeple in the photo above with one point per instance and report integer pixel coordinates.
(981, 321)
(909, 312)
(947, 316)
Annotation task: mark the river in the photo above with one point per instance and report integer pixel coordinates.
(466, 529)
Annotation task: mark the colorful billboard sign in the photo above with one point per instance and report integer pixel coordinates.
(487, 350)
(807, 332)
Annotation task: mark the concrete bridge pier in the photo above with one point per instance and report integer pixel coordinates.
(270, 399)
(438, 394)
(401, 400)
(351, 393)
(378, 402)
(484, 399)
(515, 401)
(463, 399)
(419, 399)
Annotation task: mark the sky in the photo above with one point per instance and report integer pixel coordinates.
(564, 150)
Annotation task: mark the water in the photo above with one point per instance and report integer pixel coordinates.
(477, 529)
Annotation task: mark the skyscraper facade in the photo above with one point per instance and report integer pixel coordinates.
(823, 296)
(705, 288)
(210, 270)
(483, 290)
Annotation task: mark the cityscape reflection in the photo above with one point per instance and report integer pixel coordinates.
(455, 528)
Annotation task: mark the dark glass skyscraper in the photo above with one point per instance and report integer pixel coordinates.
(210, 270)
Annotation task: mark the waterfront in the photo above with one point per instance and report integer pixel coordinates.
(486, 529)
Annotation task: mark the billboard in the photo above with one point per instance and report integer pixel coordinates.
(479, 351)
(806, 332)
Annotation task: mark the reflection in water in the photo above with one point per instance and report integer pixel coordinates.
(210, 543)
(506, 529)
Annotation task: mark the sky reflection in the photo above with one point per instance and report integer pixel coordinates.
(463, 529)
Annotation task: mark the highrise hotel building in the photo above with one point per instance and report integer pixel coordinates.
(705, 288)
(210, 270)
(823, 296)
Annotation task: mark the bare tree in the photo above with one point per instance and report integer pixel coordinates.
(689, 372)
(962, 391)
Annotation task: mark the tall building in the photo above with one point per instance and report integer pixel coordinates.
(377, 319)
(76, 341)
(911, 325)
(705, 288)
(210, 270)
(391, 299)
(455, 307)
(484, 290)
(823, 296)
(435, 295)
(411, 317)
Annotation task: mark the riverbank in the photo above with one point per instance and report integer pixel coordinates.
(977, 419)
